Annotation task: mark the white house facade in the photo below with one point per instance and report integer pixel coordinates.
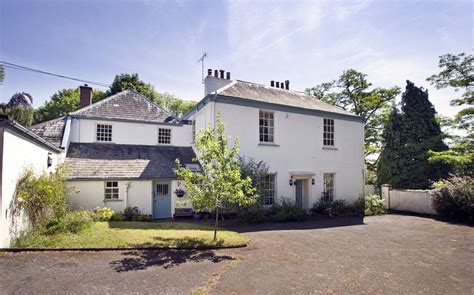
(121, 151)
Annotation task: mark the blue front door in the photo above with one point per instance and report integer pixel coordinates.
(299, 193)
(162, 200)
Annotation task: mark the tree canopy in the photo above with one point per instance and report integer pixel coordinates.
(220, 183)
(354, 93)
(62, 103)
(19, 108)
(457, 71)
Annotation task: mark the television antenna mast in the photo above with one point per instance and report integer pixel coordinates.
(201, 60)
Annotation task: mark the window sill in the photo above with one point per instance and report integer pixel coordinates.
(330, 148)
(268, 144)
(112, 200)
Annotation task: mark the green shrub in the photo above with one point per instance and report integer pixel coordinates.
(103, 214)
(253, 214)
(70, 222)
(131, 213)
(118, 217)
(334, 208)
(43, 196)
(454, 198)
(287, 211)
(373, 205)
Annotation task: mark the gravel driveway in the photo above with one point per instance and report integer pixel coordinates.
(384, 254)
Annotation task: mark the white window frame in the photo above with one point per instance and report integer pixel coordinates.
(111, 190)
(163, 137)
(331, 193)
(267, 123)
(103, 135)
(267, 200)
(328, 132)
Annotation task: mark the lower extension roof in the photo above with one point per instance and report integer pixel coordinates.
(93, 161)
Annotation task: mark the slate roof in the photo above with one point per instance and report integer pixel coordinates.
(262, 93)
(122, 161)
(51, 131)
(127, 104)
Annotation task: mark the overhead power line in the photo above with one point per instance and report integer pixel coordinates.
(19, 67)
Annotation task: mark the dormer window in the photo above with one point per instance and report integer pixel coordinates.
(104, 133)
(266, 126)
(164, 136)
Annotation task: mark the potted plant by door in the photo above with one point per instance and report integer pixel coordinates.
(197, 215)
(179, 192)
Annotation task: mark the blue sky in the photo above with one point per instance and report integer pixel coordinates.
(306, 42)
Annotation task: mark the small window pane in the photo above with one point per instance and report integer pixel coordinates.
(269, 190)
(328, 186)
(161, 189)
(111, 190)
(104, 132)
(164, 136)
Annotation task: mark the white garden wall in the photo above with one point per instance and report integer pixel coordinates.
(415, 201)
(19, 153)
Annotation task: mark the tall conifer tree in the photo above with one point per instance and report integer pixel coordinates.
(420, 133)
(388, 164)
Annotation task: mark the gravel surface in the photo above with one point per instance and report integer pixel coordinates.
(384, 254)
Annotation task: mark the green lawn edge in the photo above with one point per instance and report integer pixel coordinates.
(135, 235)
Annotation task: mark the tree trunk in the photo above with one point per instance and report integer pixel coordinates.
(216, 223)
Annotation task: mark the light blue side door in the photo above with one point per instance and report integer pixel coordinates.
(162, 200)
(299, 193)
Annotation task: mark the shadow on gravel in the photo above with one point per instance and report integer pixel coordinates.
(313, 222)
(142, 259)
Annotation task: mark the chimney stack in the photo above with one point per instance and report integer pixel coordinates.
(287, 84)
(214, 82)
(85, 96)
(209, 72)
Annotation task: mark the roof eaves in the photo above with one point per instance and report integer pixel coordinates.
(12, 125)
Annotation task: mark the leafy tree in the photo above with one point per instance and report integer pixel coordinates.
(220, 182)
(20, 108)
(389, 162)
(409, 138)
(132, 81)
(458, 72)
(177, 107)
(64, 102)
(354, 93)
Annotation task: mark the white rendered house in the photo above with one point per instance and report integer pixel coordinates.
(121, 151)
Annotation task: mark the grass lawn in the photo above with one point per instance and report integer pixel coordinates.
(137, 234)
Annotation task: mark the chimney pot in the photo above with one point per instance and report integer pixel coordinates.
(222, 73)
(277, 84)
(272, 83)
(209, 72)
(282, 86)
(216, 73)
(85, 96)
(228, 76)
(287, 84)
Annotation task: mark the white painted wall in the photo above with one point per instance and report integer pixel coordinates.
(300, 149)
(86, 195)
(84, 130)
(18, 154)
(416, 201)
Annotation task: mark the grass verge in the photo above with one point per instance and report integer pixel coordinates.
(124, 234)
